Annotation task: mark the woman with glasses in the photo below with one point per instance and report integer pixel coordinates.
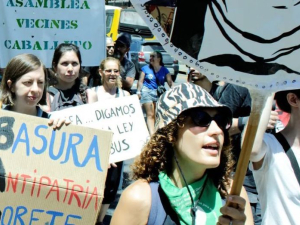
(151, 77)
(111, 87)
(183, 173)
(110, 47)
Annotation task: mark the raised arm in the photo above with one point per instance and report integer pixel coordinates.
(259, 147)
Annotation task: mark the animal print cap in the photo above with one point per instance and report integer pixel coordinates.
(180, 98)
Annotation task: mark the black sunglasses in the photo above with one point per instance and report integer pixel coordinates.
(203, 119)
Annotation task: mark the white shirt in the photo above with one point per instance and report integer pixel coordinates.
(277, 186)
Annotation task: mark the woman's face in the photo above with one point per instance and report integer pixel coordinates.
(110, 73)
(29, 88)
(200, 146)
(154, 59)
(68, 67)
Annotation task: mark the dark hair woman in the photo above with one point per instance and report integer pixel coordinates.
(151, 77)
(183, 172)
(67, 89)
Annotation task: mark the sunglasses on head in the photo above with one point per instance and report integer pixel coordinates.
(203, 119)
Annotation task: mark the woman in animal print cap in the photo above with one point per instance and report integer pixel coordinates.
(183, 172)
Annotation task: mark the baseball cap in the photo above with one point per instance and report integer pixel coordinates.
(125, 39)
(181, 98)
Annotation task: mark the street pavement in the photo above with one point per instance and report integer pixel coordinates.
(181, 78)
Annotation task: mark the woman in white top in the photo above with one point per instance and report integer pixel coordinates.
(109, 71)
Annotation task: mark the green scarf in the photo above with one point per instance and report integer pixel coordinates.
(209, 204)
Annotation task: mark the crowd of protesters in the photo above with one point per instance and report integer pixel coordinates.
(184, 173)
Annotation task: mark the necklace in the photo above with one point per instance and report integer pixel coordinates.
(194, 205)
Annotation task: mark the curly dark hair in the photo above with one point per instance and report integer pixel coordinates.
(158, 153)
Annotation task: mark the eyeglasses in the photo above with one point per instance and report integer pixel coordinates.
(110, 47)
(109, 71)
(203, 119)
(152, 56)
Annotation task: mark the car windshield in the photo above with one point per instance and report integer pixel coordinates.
(151, 48)
(109, 17)
(132, 17)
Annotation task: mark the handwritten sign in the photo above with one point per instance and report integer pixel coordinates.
(123, 116)
(39, 26)
(47, 176)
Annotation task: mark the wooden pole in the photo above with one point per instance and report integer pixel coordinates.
(259, 100)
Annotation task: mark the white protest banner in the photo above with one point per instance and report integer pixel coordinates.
(123, 116)
(50, 177)
(224, 41)
(38, 26)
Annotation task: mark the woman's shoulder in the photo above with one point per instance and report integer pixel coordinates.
(145, 68)
(138, 192)
(134, 204)
(165, 70)
(92, 95)
(125, 93)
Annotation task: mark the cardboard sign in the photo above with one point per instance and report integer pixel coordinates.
(47, 176)
(39, 26)
(224, 41)
(123, 116)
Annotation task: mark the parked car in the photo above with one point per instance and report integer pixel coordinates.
(131, 22)
(140, 50)
(120, 20)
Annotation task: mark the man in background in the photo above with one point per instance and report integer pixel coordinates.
(128, 71)
(110, 47)
(91, 75)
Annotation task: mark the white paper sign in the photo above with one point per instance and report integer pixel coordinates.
(38, 26)
(123, 116)
(224, 41)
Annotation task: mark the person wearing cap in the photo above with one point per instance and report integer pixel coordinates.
(184, 171)
(127, 67)
(238, 99)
